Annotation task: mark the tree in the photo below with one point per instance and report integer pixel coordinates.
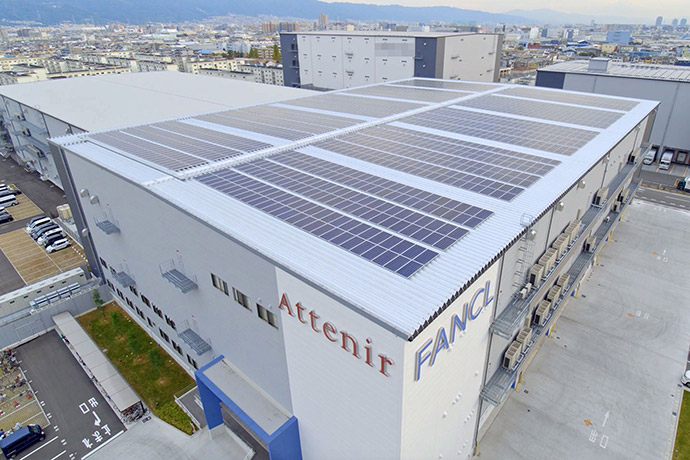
(276, 53)
(253, 53)
(98, 302)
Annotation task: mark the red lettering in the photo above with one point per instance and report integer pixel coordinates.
(285, 303)
(346, 336)
(384, 361)
(300, 309)
(367, 353)
(328, 328)
(313, 316)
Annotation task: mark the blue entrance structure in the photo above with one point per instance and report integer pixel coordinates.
(276, 431)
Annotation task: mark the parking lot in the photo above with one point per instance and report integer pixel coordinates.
(32, 262)
(24, 209)
(80, 420)
(606, 384)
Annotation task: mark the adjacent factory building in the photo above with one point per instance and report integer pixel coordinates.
(364, 273)
(31, 113)
(665, 83)
(338, 59)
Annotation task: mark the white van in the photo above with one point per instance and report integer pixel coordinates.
(35, 223)
(665, 162)
(8, 200)
(649, 157)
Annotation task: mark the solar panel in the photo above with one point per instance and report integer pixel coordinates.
(189, 145)
(355, 105)
(234, 142)
(412, 224)
(404, 195)
(235, 120)
(531, 134)
(570, 98)
(318, 119)
(416, 94)
(555, 112)
(452, 85)
(378, 246)
(149, 151)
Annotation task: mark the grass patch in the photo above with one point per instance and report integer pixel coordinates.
(153, 374)
(681, 450)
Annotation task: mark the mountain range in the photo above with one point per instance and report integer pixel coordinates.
(139, 12)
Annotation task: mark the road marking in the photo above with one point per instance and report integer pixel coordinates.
(101, 446)
(58, 455)
(606, 417)
(36, 450)
(604, 441)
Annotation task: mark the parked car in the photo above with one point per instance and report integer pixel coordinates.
(51, 239)
(5, 217)
(38, 231)
(36, 221)
(53, 232)
(58, 245)
(21, 439)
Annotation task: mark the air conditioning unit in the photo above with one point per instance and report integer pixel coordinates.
(561, 245)
(573, 229)
(563, 280)
(511, 356)
(524, 337)
(616, 207)
(523, 293)
(542, 313)
(548, 259)
(590, 244)
(632, 158)
(554, 293)
(600, 196)
(536, 273)
(623, 195)
(527, 333)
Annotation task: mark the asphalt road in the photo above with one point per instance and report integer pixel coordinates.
(81, 420)
(672, 199)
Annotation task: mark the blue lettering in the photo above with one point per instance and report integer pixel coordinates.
(440, 343)
(474, 315)
(457, 322)
(487, 300)
(419, 359)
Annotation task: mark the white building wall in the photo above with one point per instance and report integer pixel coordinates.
(359, 62)
(153, 232)
(346, 408)
(470, 57)
(305, 60)
(442, 407)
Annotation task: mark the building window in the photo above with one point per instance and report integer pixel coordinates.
(219, 284)
(146, 300)
(164, 335)
(104, 263)
(134, 290)
(266, 315)
(149, 321)
(119, 293)
(129, 302)
(170, 322)
(157, 310)
(241, 299)
(110, 285)
(177, 348)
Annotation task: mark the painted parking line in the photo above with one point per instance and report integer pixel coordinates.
(58, 455)
(39, 448)
(102, 445)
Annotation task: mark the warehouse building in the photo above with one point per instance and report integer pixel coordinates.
(341, 59)
(32, 113)
(668, 84)
(364, 273)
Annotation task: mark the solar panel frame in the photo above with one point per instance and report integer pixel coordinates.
(570, 98)
(192, 146)
(367, 107)
(449, 85)
(415, 94)
(217, 137)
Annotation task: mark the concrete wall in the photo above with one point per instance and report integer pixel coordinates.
(470, 57)
(151, 233)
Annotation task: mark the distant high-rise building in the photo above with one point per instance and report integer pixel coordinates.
(269, 28)
(323, 21)
(674, 23)
(659, 21)
(683, 22)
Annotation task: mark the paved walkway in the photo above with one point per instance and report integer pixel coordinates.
(606, 385)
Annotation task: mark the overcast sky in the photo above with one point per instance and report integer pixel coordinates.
(669, 9)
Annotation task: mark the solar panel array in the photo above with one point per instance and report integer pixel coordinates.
(531, 134)
(569, 98)
(192, 146)
(278, 121)
(404, 195)
(379, 246)
(236, 142)
(462, 86)
(536, 109)
(366, 107)
(416, 94)
(149, 151)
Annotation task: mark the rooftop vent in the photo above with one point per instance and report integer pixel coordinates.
(599, 64)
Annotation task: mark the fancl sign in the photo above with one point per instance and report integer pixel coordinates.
(428, 352)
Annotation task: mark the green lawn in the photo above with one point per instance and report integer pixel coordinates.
(682, 448)
(153, 374)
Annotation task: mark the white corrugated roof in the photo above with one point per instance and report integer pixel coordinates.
(380, 293)
(625, 69)
(110, 101)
